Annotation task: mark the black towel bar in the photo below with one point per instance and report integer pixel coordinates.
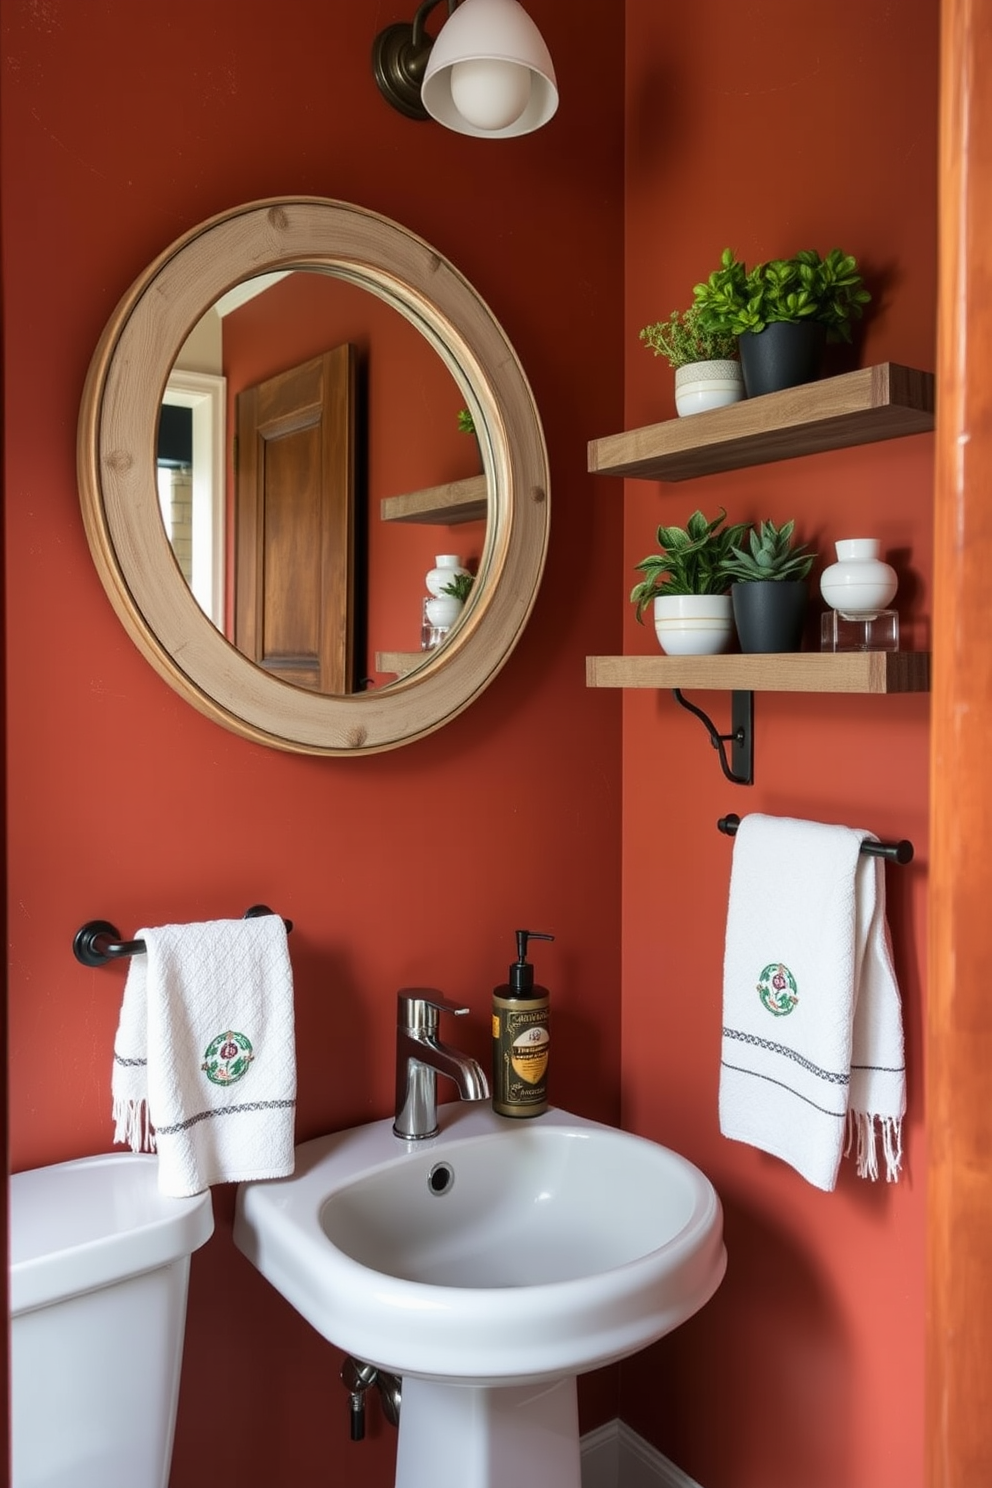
(98, 941)
(893, 852)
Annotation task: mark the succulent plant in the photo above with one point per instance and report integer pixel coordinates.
(772, 555)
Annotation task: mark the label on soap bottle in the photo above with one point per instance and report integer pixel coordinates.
(521, 1045)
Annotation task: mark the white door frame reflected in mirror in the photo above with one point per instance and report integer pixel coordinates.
(205, 394)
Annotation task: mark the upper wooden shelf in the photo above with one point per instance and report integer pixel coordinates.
(447, 505)
(874, 403)
(826, 671)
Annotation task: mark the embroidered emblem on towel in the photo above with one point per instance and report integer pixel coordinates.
(226, 1058)
(777, 989)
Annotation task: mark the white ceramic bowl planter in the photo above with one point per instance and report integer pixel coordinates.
(700, 386)
(693, 624)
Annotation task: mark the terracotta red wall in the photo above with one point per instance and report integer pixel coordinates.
(122, 127)
(770, 128)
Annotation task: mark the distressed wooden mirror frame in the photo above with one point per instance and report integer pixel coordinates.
(116, 469)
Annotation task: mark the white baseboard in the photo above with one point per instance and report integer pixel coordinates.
(616, 1457)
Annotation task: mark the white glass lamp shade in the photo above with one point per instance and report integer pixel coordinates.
(490, 73)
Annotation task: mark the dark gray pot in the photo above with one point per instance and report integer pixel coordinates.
(770, 614)
(783, 355)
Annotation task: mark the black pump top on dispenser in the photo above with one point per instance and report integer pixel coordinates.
(521, 973)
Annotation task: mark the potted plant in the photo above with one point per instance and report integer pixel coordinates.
(817, 298)
(768, 587)
(687, 585)
(460, 587)
(705, 362)
(448, 585)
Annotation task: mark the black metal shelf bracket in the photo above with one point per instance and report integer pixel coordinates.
(740, 768)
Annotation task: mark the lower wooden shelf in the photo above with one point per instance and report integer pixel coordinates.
(399, 662)
(827, 671)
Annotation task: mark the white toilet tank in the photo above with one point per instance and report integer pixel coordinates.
(99, 1263)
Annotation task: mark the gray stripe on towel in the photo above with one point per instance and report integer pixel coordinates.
(838, 1115)
(273, 1105)
(760, 1043)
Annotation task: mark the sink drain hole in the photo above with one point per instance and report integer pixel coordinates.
(441, 1178)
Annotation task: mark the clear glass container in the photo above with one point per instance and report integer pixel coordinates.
(875, 632)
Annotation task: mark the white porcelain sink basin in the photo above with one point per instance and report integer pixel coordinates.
(497, 1253)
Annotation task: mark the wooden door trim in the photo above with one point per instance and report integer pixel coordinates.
(959, 1016)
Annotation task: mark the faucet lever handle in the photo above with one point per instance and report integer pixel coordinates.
(417, 1006)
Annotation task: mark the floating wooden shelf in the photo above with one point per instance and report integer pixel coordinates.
(874, 403)
(399, 662)
(448, 505)
(828, 671)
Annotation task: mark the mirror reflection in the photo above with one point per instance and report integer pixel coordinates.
(311, 468)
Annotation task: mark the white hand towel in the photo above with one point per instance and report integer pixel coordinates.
(205, 1053)
(812, 1043)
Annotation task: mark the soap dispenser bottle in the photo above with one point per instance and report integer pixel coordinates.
(520, 1038)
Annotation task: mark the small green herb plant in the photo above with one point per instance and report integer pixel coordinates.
(466, 423)
(691, 560)
(827, 291)
(770, 554)
(460, 586)
(682, 340)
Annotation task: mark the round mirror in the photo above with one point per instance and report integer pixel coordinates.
(117, 460)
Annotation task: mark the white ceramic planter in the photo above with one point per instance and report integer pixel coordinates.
(443, 610)
(693, 624)
(704, 385)
(859, 584)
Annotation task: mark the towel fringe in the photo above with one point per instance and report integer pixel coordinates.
(132, 1124)
(861, 1128)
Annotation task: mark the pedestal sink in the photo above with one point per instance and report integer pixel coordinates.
(488, 1266)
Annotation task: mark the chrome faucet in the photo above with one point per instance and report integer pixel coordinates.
(421, 1057)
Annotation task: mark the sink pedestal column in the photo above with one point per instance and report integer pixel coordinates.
(464, 1436)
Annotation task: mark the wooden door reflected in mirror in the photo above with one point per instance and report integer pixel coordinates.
(294, 519)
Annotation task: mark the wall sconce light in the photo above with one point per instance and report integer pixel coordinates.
(488, 72)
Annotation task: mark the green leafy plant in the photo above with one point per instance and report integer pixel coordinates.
(466, 423)
(691, 560)
(770, 554)
(460, 586)
(827, 291)
(682, 339)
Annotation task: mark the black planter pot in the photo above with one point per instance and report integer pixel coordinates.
(770, 614)
(783, 355)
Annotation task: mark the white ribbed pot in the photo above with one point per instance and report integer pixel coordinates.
(859, 584)
(693, 624)
(704, 385)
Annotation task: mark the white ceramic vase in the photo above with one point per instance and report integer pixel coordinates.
(693, 624)
(859, 584)
(446, 567)
(704, 385)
